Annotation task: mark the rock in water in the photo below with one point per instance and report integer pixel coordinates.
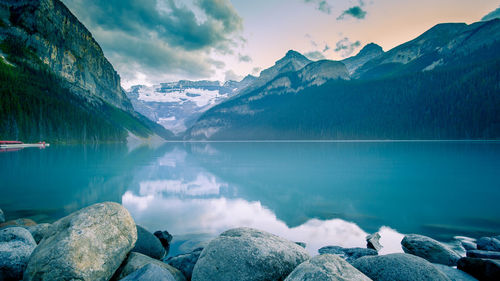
(185, 262)
(2, 217)
(468, 245)
(16, 246)
(165, 239)
(325, 268)
(483, 254)
(148, 244)
(38, 231)
(349, 254)
(398, 267)
(89, 244)
(18, 222)
(372, 242)
(482, 269)
(488, 244)
(429, 249)
(136, 261)
(453, 273)
(246, 254)
(150, 272)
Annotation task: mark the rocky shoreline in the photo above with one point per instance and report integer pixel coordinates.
(102, 242)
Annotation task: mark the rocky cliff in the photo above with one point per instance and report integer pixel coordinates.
(58, 40)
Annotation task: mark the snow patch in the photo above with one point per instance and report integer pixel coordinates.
(201, 97)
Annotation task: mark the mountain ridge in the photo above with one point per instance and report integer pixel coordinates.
(42, 38)
(284, 108)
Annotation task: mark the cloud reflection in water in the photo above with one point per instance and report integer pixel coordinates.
(158, 206)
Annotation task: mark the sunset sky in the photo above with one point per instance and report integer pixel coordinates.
(153, 41)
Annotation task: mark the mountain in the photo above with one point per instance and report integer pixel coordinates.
(366, 54)
(440, 46)
(292, 61)
(42, 42)
(441, 85)
(250, 102)
(177, 105)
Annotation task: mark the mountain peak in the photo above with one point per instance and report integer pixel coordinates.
(293, 56)
(370, 48)
(293, 53)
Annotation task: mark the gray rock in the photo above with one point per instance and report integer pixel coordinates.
(483, 254)
(2, 217)
(453, 273)
(38, 231)
(469, 245)
(488, 244)
(148, 244)
(89, 244)
(150, 272)
(136, 261)
(349, 254)
(165, 239)
(301, 244)
(429, 249)
(185, 262)
(372, 241)
(16, 246)
(398, 267)
(18, 222)
(482, 269)
(247, 254)
(326, 268)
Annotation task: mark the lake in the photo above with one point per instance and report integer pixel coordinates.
(321, 193)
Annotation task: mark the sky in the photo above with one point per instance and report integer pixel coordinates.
(154, 41)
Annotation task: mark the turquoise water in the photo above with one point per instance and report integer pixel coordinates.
(319, 193)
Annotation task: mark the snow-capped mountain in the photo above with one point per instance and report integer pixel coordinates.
(177, 105)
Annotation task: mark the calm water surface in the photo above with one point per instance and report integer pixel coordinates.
(319, 193)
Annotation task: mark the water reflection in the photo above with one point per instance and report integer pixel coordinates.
(318, 193)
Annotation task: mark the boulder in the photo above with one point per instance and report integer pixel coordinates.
(18, 222)
(136, 261)
(325, 268)
(488, 244)
(301, 244)
(2, 217)
(185, 262)
(165, 239)
(453, 273)
(150, 272)
(398, 267)
(429, 249)
(483, 254)
(16, 246)
(247, 254)
(373, 241)
(38, 231)
(469, 245)
(482, 269)
(349, 254)
(89, 244)
(148, 244)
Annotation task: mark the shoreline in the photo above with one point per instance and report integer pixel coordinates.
(145, 253)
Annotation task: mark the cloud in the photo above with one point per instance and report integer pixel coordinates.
(315, 55)
(230, 75)
(161, 36)
(346, 47)
(355, 12)
(321, 5)
(326, 48)
(244, 58)
(493, 15)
